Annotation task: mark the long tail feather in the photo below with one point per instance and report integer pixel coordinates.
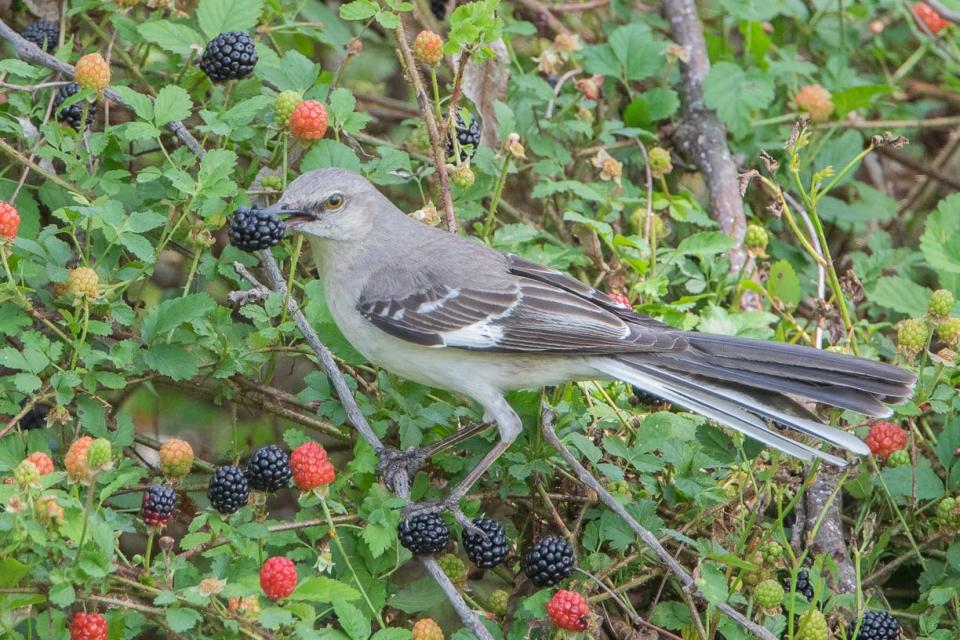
(712, 404)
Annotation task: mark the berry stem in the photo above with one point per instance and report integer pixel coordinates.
(495, 200)
(346, 558)
(87, 508)
(436, 93)
(147, 552)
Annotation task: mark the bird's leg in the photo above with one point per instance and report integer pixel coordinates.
(410, 460)
(510, 427)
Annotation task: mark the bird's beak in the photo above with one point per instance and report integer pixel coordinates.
(290, 215)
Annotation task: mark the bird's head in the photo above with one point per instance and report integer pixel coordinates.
(333, 204)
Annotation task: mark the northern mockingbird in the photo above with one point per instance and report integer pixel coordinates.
(455, 314)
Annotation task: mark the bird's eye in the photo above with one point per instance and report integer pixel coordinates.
(335, 201)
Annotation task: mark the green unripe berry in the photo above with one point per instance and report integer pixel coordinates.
(463, 176)
(454, 567)
(756, 237)
(949, 332)
(768, 594)
(941, 304)
(660, 163)
(283, 106)
(272, 182)
(26, 473)
(772, 552)
(813, 626)
(98, 456)
(900, 458)
(499, 600)
(948, 512)
(912, 336)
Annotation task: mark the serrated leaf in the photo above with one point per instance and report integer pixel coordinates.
(323, 589)
(783, 284)
(218, 16)
(352, 620)
(181, 619)
(172, 103)
(170, 36)
(736, 94)
(330, 153)
(900, 294)
(170, 314)
(171, 360)
(358, 10)
(421, 595)
(940, 242)
(142, 105)
(705, 243)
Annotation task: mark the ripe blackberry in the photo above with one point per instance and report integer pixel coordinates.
(268, 469)
(36, 418)
(43, 33)
(644, 397)
(549, 561)
(71, 115)
(438, 8)
(467, 136)
(255, 228)
(876, 625)
(228, 490)
(424, 534)
(486, 553)
(158, 504)
(803, 584)
(230, 55)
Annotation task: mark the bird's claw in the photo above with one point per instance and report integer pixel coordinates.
(448, 505)
(393, 461)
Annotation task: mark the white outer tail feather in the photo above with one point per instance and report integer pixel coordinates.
(736, 411)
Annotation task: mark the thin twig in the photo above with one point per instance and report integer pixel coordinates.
(356, 419)
(426, 110)
(688, 583)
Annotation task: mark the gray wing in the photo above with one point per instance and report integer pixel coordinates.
(527, 309)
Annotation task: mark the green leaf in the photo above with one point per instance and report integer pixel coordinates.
(170, 36)
(421, 595)
(62, 594)
(940, 242)
(330, 153)
(903, 481)
(705, 243)
(736, 94)
(857, 98)
(293, 72)
(181, 619)
(392, 633)
(172, 103)
(170, 314)
(171, 360)
(217, 16)
(632, 53)
(753, 10)
(783, 284)
(900, 294)
(323, 589)
(11, 572)
(650, 106)
(388, 19)
(358, 10)
(352, 620)
(713, 583)
(141, 104)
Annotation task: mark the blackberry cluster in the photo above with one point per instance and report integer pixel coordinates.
(439, 9)
(467, 137)
(549, 561)
(486, 553)
(228, 489)
(804, 585)
(74, 113)
(158, 504)
(229, 56)
(876, 625)
(424, 534)
(255, 228)
(268, 469)
(43, 33)
(36, 418)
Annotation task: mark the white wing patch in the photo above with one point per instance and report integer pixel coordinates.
(478, 335)
(428, 307)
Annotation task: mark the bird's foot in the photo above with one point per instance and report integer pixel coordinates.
(450, 505)
(393, 461)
